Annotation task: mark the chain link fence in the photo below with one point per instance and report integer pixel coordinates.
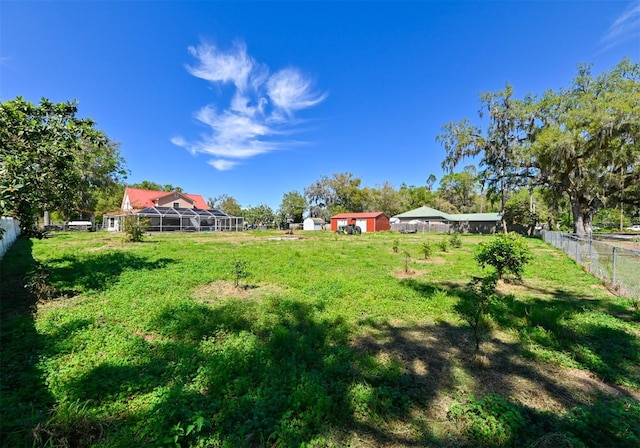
(617, 265)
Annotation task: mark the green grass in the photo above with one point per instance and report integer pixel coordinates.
(326, 341)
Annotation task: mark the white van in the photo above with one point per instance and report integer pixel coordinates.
(79, 225)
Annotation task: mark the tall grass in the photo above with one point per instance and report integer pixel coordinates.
(330, 341)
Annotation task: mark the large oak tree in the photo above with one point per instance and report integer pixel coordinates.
(586, 143)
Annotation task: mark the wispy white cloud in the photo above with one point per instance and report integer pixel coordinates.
(260, 113)
(221, 164)
(625, 27)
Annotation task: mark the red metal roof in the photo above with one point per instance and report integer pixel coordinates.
(147, 198)
(357, 215)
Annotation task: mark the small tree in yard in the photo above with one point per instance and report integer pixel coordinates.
(426, 249)
(240, 270)
(134, 228)
(475, 305)
(506, 253)
(455, 240)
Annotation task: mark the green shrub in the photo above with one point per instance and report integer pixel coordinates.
(443, 245)
(426, 249)
(39, 284)
(395, 246)
(506, 253)
(474, 306)
(239, 270)
(134, 228)
(491, 421)
(407, 261)
(455, 241)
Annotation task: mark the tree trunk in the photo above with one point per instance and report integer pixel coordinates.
(578, 219)
(582, 217)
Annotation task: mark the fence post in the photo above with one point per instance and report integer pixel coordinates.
(614, 266)
(590, 253)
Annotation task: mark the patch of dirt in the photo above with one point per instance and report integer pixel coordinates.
(223, 289)
(412, 273)
(431, 260)
(147, 336)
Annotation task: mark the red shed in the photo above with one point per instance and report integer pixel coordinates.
(367, 221)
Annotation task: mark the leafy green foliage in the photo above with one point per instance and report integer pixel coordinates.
(259, 215)
(474, 306)
(38, 282)
(506, 253)
(443, 245)
(240, 271)
(226, 204)
(134, 228)
(407, 262)
(51, 160)
(494, 421)
(460, 189)
(455, 240)
(426, 249)
(293, 206)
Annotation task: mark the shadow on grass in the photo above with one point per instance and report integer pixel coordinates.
(584, 330)
(25, 399)
(274, 373)
(281, 373)
(591, 334)
(96, 272)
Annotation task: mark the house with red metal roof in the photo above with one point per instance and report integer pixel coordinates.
(171, 211)
(137, 199)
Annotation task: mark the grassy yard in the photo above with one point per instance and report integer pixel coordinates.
(326, 340)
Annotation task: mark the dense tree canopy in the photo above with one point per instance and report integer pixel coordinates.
(582, 142)
(150, 185)
(226, 204)
(339, 193)
(293, 206)
(499, 145)
(260, 215)
(460, 189)
(51, 160)
(586, 143)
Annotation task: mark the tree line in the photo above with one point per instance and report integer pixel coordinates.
(579, 144)
(566, 157)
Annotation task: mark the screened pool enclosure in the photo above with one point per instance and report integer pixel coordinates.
(168, 219)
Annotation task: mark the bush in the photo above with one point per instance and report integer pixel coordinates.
(491, 421)
(426, 249)
(134, 228)
(240, 271)
(455, 241)
(506, 253)
(443, 245)
(475, 304)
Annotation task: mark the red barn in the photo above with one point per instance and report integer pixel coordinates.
(367, 221)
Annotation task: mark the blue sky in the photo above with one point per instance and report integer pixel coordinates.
(257, 99)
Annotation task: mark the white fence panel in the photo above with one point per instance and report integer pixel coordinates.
(11, 228)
